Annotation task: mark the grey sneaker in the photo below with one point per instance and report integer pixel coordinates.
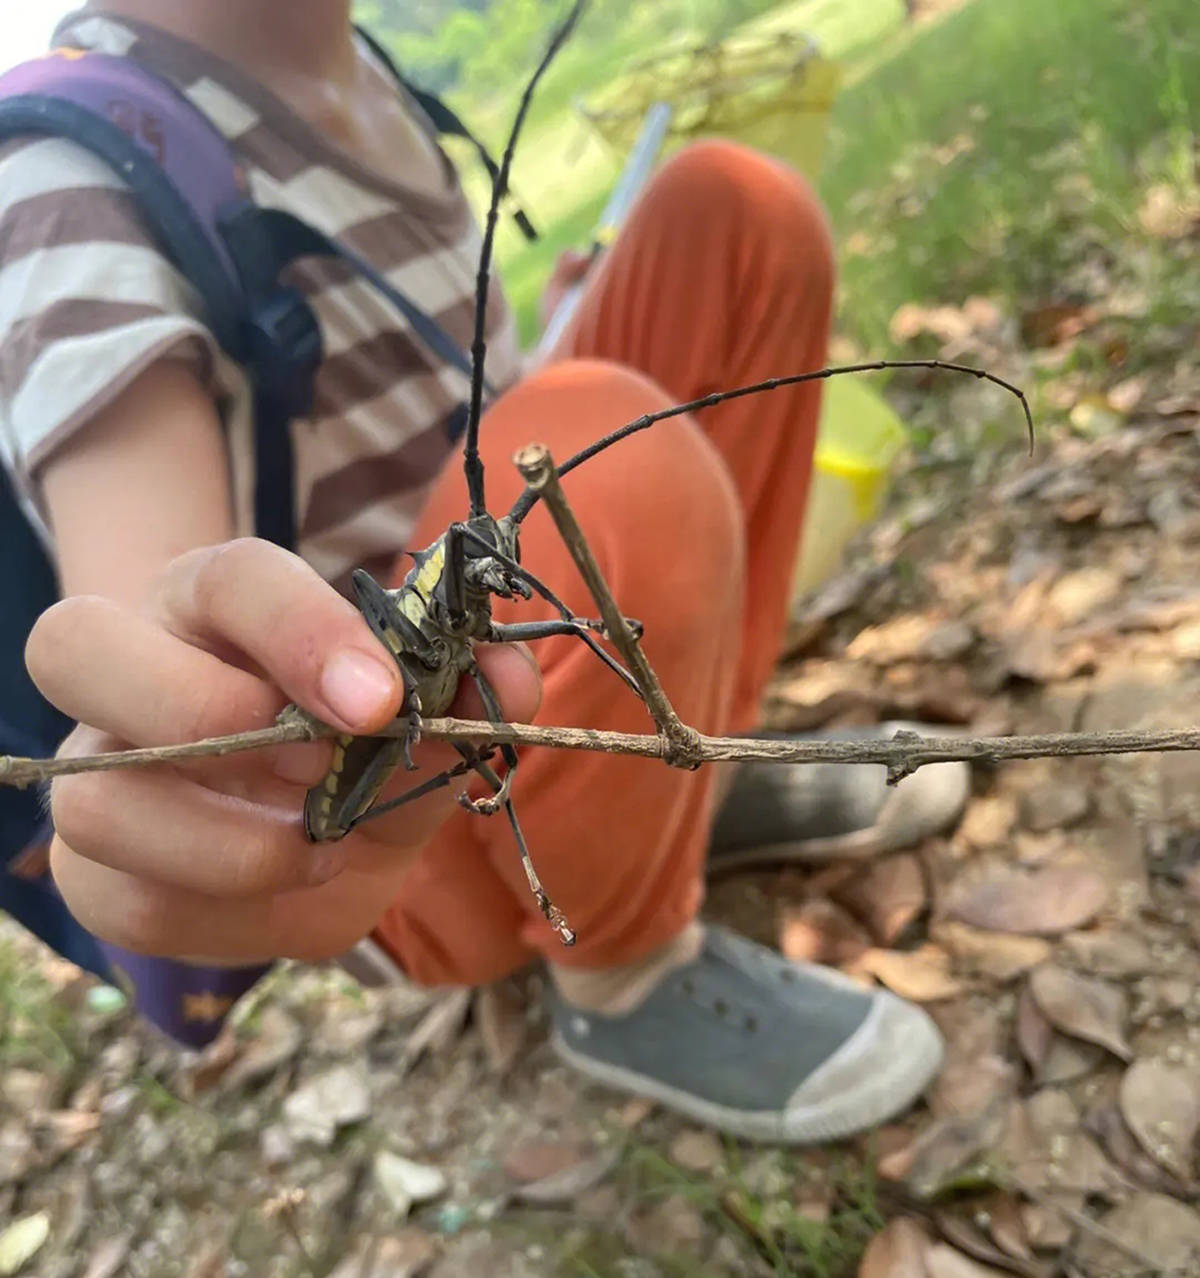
(759, 1047)
(815, 812)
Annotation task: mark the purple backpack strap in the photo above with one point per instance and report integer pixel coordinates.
(171, 155)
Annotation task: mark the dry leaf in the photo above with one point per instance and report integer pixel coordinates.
(948, 1146)
(898, 1252)
(1161, 1231)
(1108, 952)
(1058, 1153)
(438, 1029)
(1161, 1104)
(922, 976)
(1068, 1059)
(1007, 1227)
(1045, 903)
(999, 955)
(945, 1262)
(1034, 1032)
(988, 821)
(1108, 1127)
(900, 639)
(568, 1183)
(538, 1159)
(1048, 1228)
(70, 1128)
(966, 1238)
(888, 896)
(500, 1015)
(210, 1067)
(817, 931)
(1082, 1007)
(821, 690)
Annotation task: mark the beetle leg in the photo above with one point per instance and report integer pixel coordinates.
(553, 915)
(545, 629)
(439, 782)
(489, 807)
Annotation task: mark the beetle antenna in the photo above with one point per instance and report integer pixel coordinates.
(472, 465)
(529, 498)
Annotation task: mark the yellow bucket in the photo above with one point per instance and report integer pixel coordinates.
(859, 437)
(773, 92)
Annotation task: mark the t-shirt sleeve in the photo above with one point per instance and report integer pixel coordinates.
(87, 300)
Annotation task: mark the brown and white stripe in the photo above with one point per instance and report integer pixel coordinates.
(87, 302)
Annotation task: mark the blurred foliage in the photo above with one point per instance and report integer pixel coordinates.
(480, 51)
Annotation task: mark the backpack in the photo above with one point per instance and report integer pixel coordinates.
(192, 197)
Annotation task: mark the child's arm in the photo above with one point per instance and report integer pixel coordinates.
(175, 633)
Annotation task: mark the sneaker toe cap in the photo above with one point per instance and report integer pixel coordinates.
(878, 1072)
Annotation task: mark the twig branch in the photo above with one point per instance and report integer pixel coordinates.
(901, 755)
(680, 743)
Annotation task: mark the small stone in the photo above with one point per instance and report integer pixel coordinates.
(106, 1000)
(1054, 807)
(947, 642)
(107, 1259)
(408, 1254)
(633, 1113)
(535, 1160)
(346, 1033)
(22, 1240)
(28, 1091)
(696, 1151)
(333, 1099)
(119, 1103)
(16, 1152)
(599, 1205)
(405, 1183)
(276, 1146)
(672, 1227)
(452, 1218)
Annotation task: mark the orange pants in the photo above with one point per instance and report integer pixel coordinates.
(722, 276)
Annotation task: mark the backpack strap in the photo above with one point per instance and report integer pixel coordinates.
(446, 121)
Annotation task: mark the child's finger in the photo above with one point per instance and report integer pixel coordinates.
(262, 601)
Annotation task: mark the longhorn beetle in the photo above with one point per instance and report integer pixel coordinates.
(431, 623)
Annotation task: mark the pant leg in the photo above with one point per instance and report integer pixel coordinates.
(618, 842)
(722, 277)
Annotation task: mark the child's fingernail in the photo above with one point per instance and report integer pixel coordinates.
(356, 687)
(327, 863)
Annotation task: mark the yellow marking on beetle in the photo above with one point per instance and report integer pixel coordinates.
(326, 805)
(339, 756)
(412, 607)
(392, 639)
(431, 570)
(331, 783)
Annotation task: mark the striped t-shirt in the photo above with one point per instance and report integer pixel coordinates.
(87, 302)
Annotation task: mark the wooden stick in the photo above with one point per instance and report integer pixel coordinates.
(680, 742)
(901, 755)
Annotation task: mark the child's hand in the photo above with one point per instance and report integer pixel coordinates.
(209, 859)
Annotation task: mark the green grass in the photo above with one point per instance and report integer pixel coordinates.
(36, 1030)
(984, 152)
(564, 171)
(763, 1224)
(981, 153)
